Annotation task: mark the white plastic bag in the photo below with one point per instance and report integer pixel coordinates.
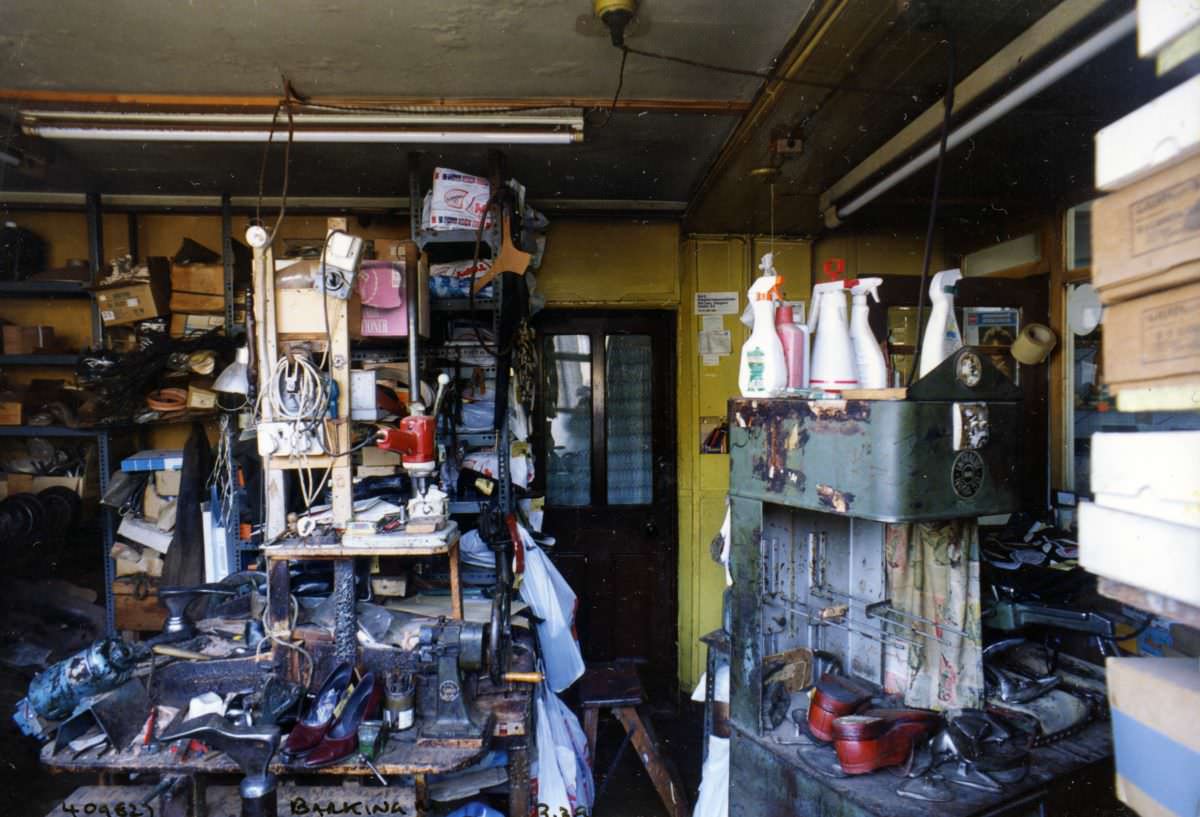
(553, 601)
(564, 775)
(713, 799)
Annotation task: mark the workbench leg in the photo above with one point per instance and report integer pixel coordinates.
(345, 622)
(591, 719)
(199, 796)
(456, 602)
(518, 782)
(279, 609)
(421, 794)
(670, 789)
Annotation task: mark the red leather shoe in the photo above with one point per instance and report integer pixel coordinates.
(834, 697)
(309, 730)
(877, 738)
(341, 741)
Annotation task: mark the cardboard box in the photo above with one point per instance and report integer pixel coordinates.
(205, 279)
(372, 455)
(1146, 237)
(133, 301)
(1156, 734)
(1163, 557)
(300, 313)
(1153, 340)
(375, 471)
(10, 413)
(1152, 473)
(1157, 135)
(196, 302)
(1162, 22)
(167, 482)
(135, 612)
(183, 325)
(27, 340)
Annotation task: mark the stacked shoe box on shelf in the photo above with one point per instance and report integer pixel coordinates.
(1142, 528)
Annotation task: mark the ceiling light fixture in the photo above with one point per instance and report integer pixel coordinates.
(400, 128)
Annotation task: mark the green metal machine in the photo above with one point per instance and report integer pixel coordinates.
(813, 487)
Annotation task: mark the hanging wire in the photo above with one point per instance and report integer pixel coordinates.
(770, 76)
(948, 111)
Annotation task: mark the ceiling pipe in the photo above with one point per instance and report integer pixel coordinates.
(1112, 33)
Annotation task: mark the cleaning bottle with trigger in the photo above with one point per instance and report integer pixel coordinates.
(942, 337)
(763, 371)
(868, 357)
(832, 367)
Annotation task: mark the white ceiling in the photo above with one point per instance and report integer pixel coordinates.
(426, 48)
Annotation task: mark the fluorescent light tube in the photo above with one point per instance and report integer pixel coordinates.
(395, 137)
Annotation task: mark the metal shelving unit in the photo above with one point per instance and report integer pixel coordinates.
(75, 289)
(38, 360)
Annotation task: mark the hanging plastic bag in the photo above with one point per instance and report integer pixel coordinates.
(564, 776)
(554, 602)
(713, 798)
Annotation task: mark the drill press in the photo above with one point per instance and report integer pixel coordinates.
(415, 440)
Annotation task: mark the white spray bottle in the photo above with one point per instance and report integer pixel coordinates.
(832, 367)
(868, 357)
(942, 337)
(763, 371)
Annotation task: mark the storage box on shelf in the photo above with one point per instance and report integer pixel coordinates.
(1143, 526)
(1156, 733)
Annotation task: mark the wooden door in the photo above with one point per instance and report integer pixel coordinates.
(605, 448)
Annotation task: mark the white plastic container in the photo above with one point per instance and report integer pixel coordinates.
(942, 337)
(868, 357)
(833, 368)
(763, 369)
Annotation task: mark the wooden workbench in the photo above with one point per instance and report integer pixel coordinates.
(761, 769)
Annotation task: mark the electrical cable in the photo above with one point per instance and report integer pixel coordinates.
(287, 105)
(274, 638)
(948, 112)
(766, 75)
(617, 94)
(167, 400)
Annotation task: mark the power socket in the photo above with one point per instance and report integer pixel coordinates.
(287, 440)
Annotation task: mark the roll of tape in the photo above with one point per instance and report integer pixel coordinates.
(1034, 344)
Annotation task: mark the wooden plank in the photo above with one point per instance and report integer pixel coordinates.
(400, 757)
(456, 600)
(875, 394)
(391, 544)
(666, 782)
(1150, 601)
(198, 103)
(339, 359)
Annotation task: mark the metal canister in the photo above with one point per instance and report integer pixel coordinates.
(105, 665)
(399, 701)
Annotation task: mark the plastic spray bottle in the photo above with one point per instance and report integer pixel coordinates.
(832, 367)
(868, 358)
(942, 337)
(763, 371)
(795, 346)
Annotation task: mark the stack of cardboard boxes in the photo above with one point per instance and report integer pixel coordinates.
(1142, 528)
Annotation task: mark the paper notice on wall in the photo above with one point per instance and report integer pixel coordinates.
(716, 303)
(716, 343)
(712, 323)
(711, 360)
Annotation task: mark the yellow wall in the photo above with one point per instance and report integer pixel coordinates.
(876, 253)
(713, 264)
(611, 263)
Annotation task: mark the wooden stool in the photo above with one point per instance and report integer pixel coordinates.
(618, 688)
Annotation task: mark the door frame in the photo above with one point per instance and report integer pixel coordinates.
(661, 325)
